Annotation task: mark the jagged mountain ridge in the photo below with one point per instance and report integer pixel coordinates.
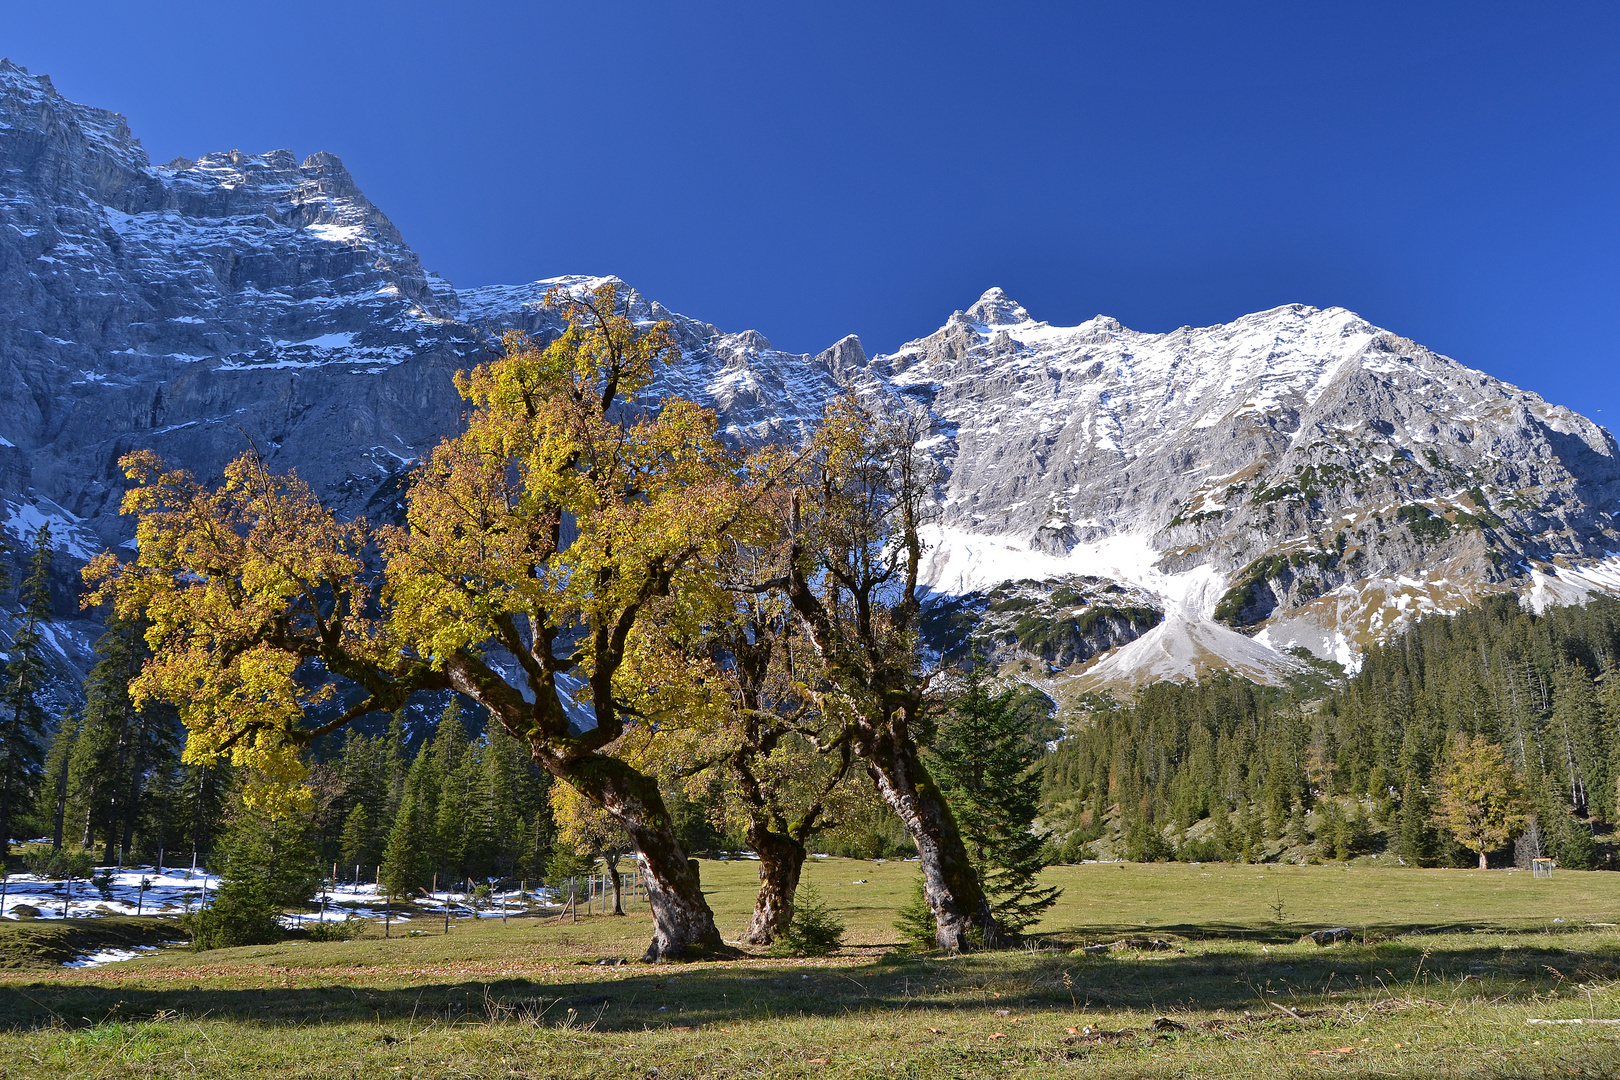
(1304, 475)
(1298, 471)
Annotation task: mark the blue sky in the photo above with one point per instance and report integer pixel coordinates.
(1449, 171)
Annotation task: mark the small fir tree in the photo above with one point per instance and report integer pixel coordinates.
(55, 791)
(1416, 837)
(119, 746)
(1330, 830)
(269, 865)
(356, 843)
(407, 864)
(994, 793)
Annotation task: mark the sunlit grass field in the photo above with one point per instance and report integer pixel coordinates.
(1446, 969)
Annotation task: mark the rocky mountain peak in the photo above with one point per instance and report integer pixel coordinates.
(996, 308)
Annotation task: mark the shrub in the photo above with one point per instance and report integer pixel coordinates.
(348, 929)
(1145, 843)
(1201, 851)
(270, 864)
(1426, 526)
(814, 930)
(239, 914)
(56, 865)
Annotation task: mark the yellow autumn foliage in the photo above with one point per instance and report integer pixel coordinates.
(570, 528)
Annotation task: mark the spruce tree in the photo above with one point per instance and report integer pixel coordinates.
(449, 806)
(269, 864)
(356, 843)
(55, 791)
(408, 857)
(22, 716)
(1577, 733)
(1330, 830)
(119, 746)
(986, 759)
(1416, 840)
(398, 768)
(363, 781)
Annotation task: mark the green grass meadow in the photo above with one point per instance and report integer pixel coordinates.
(1446, 968)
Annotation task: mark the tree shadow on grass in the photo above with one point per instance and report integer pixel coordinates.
(1287, 933)
(1237, 979)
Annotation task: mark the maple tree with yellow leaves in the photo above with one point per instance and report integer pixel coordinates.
(567, 533)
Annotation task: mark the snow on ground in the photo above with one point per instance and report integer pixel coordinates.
(959, 562)
(1552, 586)
(170, 893)
(1181, 649)
(111, 956)
(175, 892)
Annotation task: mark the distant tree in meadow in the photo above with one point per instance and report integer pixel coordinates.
(269, 864)
(1480, 798)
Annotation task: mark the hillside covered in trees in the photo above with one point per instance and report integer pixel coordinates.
(1227, 769)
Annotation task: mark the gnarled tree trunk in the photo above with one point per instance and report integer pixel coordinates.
(950, 884)
(683, 925)
(781, 858)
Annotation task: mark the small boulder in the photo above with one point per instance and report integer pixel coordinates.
(1328, 937)
(25, 911)
(1143, 944)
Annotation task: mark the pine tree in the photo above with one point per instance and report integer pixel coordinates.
(408, 857)
(1416, 839)
(357, 841)
(449, 805)
(269, 865)
(55, 791)
(119, 746)
(986, 760)
(1330, 829)
(399, 759)
(22, 717)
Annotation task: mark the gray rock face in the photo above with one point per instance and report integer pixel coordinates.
(1297, 476)
(1298, 473)
(196, 306)
(1058, 622)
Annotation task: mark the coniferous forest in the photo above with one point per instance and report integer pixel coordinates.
(1230, 770)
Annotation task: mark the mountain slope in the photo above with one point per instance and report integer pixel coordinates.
(1298, 473)
(1295, 477)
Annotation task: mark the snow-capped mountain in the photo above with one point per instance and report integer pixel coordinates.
(1295, 477)
(1299, 474)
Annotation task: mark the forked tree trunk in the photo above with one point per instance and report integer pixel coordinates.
(1482, 863)
(781, 858)
(683, 925)
(961, 912)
